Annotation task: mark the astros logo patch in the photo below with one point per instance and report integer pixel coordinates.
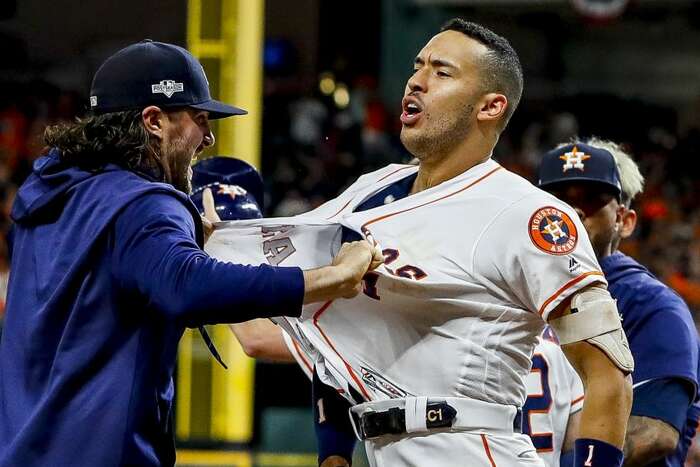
(574, 160)
(553, 231)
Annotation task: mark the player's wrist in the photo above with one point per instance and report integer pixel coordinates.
(595, 453)
(328, 283)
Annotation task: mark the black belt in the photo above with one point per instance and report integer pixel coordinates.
(393, 420)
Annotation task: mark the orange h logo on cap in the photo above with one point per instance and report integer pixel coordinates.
(574, 159)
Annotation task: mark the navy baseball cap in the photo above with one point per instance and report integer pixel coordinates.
(579, 162)
(154, 73)
(228, 171)
(231, 202)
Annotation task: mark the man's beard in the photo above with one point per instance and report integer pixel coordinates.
(441, 138)
(178, 159)
(604, 243)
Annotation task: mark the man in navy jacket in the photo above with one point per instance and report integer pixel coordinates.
(599, 180)
(108, 271)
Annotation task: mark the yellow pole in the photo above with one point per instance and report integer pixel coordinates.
(244, 82)
(242, 24)
(237, 54)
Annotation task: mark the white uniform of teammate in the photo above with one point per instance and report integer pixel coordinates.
(473, 266)
(555, 393)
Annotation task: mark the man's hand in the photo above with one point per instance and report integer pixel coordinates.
(343, 278)
(210, 216)
(354, 260)
(648, 440)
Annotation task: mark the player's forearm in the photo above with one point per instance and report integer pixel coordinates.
(648, 440)
(260, 338)
(327, 283)
(608, 394)
(607, 407)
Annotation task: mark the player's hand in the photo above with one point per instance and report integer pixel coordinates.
(210, 216)
(343, 278)
(353, 261)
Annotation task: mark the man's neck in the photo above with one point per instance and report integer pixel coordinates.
(434, 170)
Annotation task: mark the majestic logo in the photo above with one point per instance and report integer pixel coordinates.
(573, 265)
(574, 159)
(167, 87)
(93, 101)
(553, 231)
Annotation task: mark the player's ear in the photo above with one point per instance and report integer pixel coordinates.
(153, 119)
(627, 221)
(492, 107)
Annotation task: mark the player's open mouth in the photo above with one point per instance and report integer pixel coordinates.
(412, 110)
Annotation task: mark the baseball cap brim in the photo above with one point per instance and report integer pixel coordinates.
(594, 182)
(218, 109)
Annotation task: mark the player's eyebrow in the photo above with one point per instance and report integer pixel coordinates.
(436, 62)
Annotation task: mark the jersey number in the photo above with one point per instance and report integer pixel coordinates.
(369, 282)
(540, 403)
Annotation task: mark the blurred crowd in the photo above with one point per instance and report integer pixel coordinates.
(315, 145)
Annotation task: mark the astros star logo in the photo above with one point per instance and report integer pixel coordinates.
(574, 159)
(231, 190)
(554, 229)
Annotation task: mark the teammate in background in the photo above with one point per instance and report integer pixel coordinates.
(108, 270)
(235, 186)
(435, 354)
(599, 180)
(552, 411)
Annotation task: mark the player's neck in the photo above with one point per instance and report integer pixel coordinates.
(437, 169)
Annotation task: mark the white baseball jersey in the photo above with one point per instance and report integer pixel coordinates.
(473, 267)
(554, 393)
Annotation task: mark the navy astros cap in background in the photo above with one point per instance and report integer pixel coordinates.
(154, 73)
(579, 162)
(228, 171)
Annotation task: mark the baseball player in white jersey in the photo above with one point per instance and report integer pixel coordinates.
(437, 349)
(551, 413)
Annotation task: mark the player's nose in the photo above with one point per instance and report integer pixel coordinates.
(417, 82)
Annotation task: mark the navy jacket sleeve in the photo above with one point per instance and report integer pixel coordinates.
(155, 256)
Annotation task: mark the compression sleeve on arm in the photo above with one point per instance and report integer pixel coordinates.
(154, 253)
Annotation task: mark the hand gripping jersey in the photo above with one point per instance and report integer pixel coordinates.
(472, 268)
(554, 393)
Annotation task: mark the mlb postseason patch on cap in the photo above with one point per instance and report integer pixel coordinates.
(154, 73)
(553, 231)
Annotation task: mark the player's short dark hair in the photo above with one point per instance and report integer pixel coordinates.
(116, 138)
(501, 71)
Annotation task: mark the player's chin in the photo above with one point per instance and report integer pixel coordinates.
(413, 139)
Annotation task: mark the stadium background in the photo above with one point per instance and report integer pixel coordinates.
(323, 81)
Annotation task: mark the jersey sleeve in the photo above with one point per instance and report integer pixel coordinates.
(666, 399)
(536, 253)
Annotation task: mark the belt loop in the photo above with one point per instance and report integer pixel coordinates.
(415, 414)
